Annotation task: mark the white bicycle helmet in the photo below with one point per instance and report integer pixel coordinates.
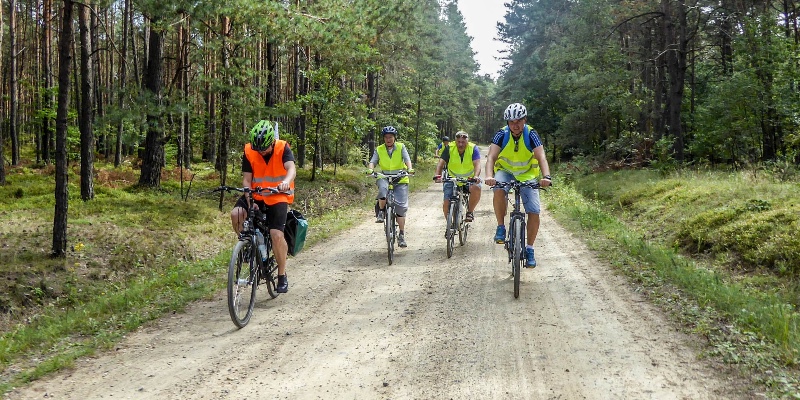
(515, 111)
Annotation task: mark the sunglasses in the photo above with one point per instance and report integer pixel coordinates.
(462, 137)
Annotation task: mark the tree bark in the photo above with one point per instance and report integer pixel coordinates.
(2, 159)
(225, 116)
(47, 82)
(187, 133)
(153, 158)
(272, 74)
(300, 89)
(676, 35)
(87, 102)
(372, 98)
(62, 176)
(123, 71)
(13, 83)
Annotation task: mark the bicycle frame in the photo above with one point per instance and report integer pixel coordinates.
(459, 204)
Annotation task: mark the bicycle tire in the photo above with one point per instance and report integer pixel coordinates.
(463, 225)
(452, 218)
(242, 282)
(389, 227)
(517, 249)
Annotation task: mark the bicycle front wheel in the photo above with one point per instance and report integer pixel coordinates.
(518, 249)
(389, 227)
(242, 282)
(463, 226)
(452, 227)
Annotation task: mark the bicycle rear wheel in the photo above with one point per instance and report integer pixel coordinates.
(270, 275)
(242, 282)
(452, 227)
(389, 227)
(517, 248)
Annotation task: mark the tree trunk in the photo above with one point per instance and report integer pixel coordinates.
(676, 35)
(187, 135)
(299, 121)
(210, 142)
(153, 158)
(62, 176)
(98, 112)
(123, 71)
(225, 116)
(13, 83)
(179, 78)
(372, 98)
(47, 82)
(2, 159)
(272, 74)
(85, 115)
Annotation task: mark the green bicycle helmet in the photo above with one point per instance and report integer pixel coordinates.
(262, 135)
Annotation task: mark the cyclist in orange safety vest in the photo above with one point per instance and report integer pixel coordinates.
(268, 162)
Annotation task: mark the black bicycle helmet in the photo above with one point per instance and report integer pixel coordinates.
(445, 139)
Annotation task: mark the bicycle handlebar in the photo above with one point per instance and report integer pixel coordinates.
(265, 191)
(380, 175)
(517, 184)
(457, 179)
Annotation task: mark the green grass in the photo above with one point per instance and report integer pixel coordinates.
(640, 221)
(134, 255)
(754, 220)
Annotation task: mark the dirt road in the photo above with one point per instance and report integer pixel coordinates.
(427, 327)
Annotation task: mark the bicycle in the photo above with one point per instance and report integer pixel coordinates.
(390, 218)
(252, 260)
(515, 239)
(459, 203)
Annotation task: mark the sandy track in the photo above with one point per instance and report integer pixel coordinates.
(426, 327)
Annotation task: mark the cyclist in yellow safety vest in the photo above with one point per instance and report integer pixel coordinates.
(268, 162)
(516, 153)
(392, 157)
(462, 161)
(445, 142)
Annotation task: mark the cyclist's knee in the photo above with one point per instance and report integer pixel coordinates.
(276, 234)
(237, 212)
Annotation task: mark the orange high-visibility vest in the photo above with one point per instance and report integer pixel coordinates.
(269, 175)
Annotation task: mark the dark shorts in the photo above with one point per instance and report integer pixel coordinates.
(276, 213)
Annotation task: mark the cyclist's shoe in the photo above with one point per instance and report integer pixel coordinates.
(379, 220)
(500, 235)
(530, 261)
(401, 240)
(283, 284)
(469, 217)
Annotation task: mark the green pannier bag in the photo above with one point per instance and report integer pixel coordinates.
(295, 231)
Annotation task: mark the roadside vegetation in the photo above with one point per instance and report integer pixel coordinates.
(718, 250)
(135, 255)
